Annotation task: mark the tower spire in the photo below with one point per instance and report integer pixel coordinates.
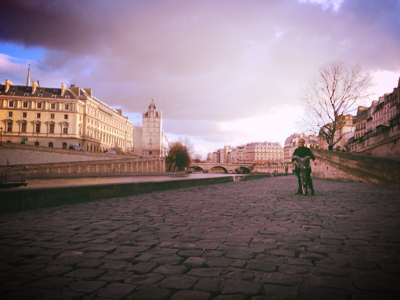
(28, 79)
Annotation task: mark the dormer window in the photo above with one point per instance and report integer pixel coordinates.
(26, 94)
(12, 93)
(53, 96)
(40, 95)
(67, 97)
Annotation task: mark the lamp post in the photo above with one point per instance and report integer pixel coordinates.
(1, 134)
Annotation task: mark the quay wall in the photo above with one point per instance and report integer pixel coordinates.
(350, 166)
(25, 198)
(126, 166)
(17, 154)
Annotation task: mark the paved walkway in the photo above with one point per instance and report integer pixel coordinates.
(63, 182)
(240, 240)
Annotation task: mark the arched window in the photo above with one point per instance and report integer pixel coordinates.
(64, 145)
(36, 143)
(51, 144)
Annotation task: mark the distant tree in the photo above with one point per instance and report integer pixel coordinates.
(178, 157)
(334, 91)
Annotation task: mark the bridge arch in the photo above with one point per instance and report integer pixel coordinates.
(196, 169)
(215, 169)
(242, 170)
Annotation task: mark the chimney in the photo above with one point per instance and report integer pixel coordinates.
(89, 92)
(8, 84)
(62, 89)
(119, 111)
(34, 86)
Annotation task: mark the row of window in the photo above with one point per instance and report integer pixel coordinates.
(9, 127)
(12, 103)
(38, 115)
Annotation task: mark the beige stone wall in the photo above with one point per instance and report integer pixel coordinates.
(17, 154)
(356, 167)
(90, 168)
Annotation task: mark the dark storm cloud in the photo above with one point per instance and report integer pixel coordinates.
(207, 61)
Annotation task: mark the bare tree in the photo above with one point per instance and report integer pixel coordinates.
(336, 90)
(178, 157)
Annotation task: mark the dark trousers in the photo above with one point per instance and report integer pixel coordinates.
(308, 178)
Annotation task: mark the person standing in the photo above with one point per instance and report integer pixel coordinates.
(303, 151)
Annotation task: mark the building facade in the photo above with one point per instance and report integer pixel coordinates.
(291, 143)
(61, 117)
(150, 139)
(343, 134)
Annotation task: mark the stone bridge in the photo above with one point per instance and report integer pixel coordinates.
(222, 168)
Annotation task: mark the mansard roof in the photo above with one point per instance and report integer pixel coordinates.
(26, 91)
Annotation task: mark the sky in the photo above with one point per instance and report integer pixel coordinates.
(222, 72)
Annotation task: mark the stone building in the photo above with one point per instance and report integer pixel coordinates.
(381, 137)
(61, 117)
(149, 139)
(291, 143)
(344, 132)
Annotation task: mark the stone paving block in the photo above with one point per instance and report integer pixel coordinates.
(311, 255)
(331, 282)
(130, 249)
(87, 286)
(374, 296)
(260, 266)
(283, 252)
(26, 268)
(116, 290)
(286, 292)
(52, 283)
(116, 276)
(188, 253)
(242, 287)
(239, 255)
(391, 268)
(163, 251)
(5, 267)
(95, 254)
(121, 256)
(231, 297)
(292, 269)
(329, 271)
(171, 270)
(115, 265)
(318, 293)
(213, 254)
(170, 260)
(146, 279)
(181, 282)
(56, 270)
(89, 263)
(279, 278)
(219, 262)
(101, 247)
(142, 267)
(67, 261)
(194, 262)
(151, 293)
(299, 261)
(85, 273)
(192, 295)
(209, 285)
(144, 257)
(29, 250)
(20, 295)
(205, 272)
(377, 284)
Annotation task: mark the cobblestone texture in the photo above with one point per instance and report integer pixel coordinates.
(239, 240)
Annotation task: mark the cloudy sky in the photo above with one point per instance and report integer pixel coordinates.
(223, 72)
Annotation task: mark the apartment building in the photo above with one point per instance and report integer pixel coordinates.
(61, 117)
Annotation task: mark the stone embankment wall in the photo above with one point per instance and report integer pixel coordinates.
(17, 154)
(127, 166)
(356, 167)
(286, 168)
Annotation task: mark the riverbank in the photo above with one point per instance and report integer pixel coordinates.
(54, 192)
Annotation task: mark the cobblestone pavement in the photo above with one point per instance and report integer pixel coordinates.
(241, 240)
